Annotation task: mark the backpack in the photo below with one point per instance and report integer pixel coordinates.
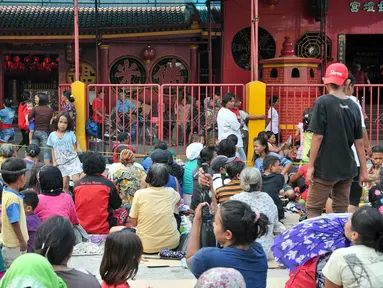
(304, 276)
(91, 128)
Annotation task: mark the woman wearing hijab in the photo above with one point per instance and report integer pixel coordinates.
(31, 270)
(129, 178)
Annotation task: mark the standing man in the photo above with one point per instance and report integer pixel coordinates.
(336, 124)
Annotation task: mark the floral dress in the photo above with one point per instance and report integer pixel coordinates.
(261, 202)
(128, 181)
(70, 107)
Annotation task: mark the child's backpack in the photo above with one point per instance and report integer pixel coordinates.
(304, 276)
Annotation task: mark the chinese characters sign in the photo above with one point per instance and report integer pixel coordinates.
(368, 6)
(170, 71)
(341, 48)
(127, 70)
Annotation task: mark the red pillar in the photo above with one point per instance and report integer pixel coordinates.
(104, 74)
(194, 64)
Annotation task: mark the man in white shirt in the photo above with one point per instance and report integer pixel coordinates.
(356, 190)
(273, 118)
(228, 123)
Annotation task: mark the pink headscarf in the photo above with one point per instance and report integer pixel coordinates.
(221, 278)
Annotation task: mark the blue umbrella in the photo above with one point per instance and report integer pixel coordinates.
(310, 238)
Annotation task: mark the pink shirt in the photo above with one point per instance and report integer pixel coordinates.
(60, 205)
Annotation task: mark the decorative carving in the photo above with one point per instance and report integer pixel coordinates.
(148, 54)
(288, 48)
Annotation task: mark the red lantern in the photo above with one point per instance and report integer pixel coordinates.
(9, 64)
(148, 54)
(58, 59)
(16, 59)
(36, 59)
(47, 60)
(7, 58)
(27, 59)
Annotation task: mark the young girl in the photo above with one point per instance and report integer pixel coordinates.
(30, 123)
(307, 136)
(261, 149)
(373, 171)
(7, 114)
(122, 255)
(63, 154)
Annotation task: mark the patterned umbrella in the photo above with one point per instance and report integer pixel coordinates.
(310, 238)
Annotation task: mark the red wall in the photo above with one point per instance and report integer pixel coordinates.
(289, 18)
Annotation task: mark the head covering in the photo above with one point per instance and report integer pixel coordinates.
(51, 180)
(31, 270)
(220, 161)
(161, 156)
(336, 73)
(193, 151)
(127, 156)
(221, 277)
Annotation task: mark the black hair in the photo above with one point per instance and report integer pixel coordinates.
(68, 118)
(234, 168)
(269, 161)
(227, 148)
(24, 97)
(33, 183)
(30, 198)
(306, 118)
(263, 142)
(123, 136)
(194, 138)
(8, 103)
(377, 149)
(269, 134)
(233, 138)
(51, 180)
(100, 91)
(245, 225)
(158, 175)
(30, 102)
(227, 98)
(122, 254)
(352, 78)
(368, 222)
(93, 163)
(12, 169)
(262, 134)
(33, 150)
(161, 145)
(206, 155)
(121, 148)
(55, 239)
(273, 100)
(43, 99)
(68, 94)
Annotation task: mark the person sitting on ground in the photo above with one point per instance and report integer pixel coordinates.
(261, 151)
(374, 170)
(129, 178)
(273, 182)
(375, 195)
(123, 139)
(153, 211)
(206, 156)
(53, 201)
(122, 256)
(361, 264)
(112, 169)
(33, 183)
(31, 200)
(31, 158)
(192, 153)
(228, 149)
(157, 145)
(221, 277)
(236, 227)
(31, 270)
(95, 196)
(234, 187)
(55, 240)
(261, 202)
(7, 151)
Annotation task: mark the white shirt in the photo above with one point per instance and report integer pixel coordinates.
(355, 267)
(244, 115)
(353, 98)
(228, 124)
(273, 126)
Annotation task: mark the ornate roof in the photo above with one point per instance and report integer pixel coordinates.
(33, 20)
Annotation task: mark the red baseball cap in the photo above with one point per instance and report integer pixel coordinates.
(336, 73)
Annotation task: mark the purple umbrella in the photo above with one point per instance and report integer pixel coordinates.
(310, 238)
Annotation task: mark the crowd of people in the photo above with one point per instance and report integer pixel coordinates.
(236, 211)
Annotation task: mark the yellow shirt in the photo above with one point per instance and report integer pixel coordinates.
(156, 225)
(308, 136)
(13, 212)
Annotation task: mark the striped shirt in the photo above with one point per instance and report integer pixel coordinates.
(226, 191)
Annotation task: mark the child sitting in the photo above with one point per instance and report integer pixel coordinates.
(14, 224)
(123, 139)
(33, 221)
(122, 255)
(377, 161)
(375, 195)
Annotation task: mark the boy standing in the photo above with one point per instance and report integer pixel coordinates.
(336, 125)
(31, 200)
(14, 229)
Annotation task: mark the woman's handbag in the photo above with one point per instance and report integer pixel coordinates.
(91, 128)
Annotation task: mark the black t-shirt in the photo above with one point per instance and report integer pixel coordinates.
(272, 184)
(338, 121)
